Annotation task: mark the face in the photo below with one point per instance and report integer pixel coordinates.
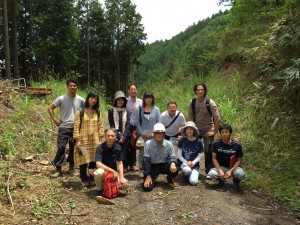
(159, 136)
(120, 102)
(225, 135)
(72, 88)
(110, 137)
(132, 91)
(148, 101)
(200, 91)
(172, 109)
(92, 101)
(189, 131)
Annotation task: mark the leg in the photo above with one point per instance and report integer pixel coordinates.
(125, 148)
(99, 177)
(239, 174)
(141, 156)
(62, 139)
(208, 140)
(186, 170)
(70, 158)
(193, 178)
(155, 171)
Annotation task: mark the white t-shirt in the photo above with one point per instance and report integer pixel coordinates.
(172, 130)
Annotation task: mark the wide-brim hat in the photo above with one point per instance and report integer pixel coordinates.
(189, 124)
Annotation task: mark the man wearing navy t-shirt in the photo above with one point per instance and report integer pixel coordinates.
(227, 157)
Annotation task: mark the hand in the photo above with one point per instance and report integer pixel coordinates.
(173, 168)
(228, 174)
(148, 181)
(124, 182)
(221, 174)
(210, 133)
(179, 137)
(57, 122)
(190, 164)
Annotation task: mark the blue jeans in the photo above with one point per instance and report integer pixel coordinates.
(238, 173)
(192, 174)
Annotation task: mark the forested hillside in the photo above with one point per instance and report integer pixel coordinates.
(250, 59)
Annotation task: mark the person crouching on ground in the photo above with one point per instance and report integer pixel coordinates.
(190, 150)
(109, 158)
(223, 153)
(159, 158)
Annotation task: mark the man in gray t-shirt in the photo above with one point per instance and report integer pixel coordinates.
(68, 105)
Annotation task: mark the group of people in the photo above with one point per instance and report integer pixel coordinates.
(169, 142)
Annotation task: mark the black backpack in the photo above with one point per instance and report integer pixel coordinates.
(207, 103)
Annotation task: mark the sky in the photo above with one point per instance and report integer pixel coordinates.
(163, 19)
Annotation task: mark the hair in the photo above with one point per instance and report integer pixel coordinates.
(73, 80)
(129, 85)
(194, 131)
(110, 129)
(124, 104)
(225, 127)
(169, 103)
(148, 94)
(87, 104)
(200, 84)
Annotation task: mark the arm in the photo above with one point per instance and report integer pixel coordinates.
(52, 115)
(197, 159)
(180, 157)
(106, 168)
(100, 129)
(217, 165)
(110, 118)
(236, 165)
(123, 181)
(190, 112)
(76, 132)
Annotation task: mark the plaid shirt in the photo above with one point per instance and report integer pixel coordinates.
(89, 134)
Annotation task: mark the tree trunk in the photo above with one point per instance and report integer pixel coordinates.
(14, 39)
(6, 41)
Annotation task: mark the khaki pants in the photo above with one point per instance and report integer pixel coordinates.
(99, 177)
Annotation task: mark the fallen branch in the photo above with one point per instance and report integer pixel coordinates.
(8, 192)
(62, 209)
(66, 214)
(259, 208)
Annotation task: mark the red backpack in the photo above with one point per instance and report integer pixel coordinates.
(110, 186)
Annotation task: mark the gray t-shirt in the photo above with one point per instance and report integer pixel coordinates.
(68, 106)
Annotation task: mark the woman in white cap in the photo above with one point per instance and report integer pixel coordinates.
(190, 150)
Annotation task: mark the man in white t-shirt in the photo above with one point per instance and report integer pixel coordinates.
(68, 104)
(172, 119)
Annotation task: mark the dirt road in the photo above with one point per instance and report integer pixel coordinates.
(40, 200)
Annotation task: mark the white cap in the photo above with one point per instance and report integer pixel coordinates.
(159, 128)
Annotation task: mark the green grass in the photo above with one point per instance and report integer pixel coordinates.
(271, 150)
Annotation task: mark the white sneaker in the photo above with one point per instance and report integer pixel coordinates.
(208, 177)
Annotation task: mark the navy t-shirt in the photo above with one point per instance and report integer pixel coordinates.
(109, 156)
(226, 151)
(190, 149)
